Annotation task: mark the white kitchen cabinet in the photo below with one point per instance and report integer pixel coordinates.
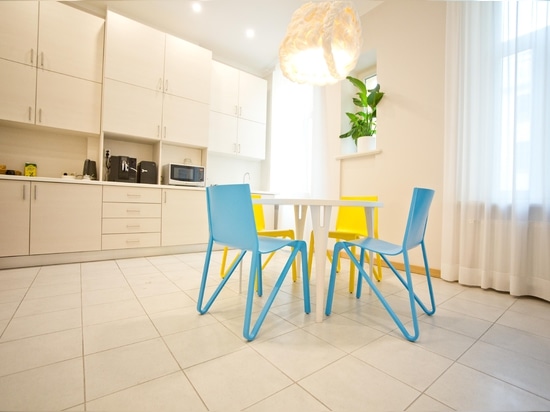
(156, 85)
(68, 103)
(185, 121)
(131, 110)
(14, 219)
(131, 217)
(19, 31)
(238, 110)
(134, 52)
(187, 70)
(184, 217)
(56, 80)
(65, 218)
(238, 93)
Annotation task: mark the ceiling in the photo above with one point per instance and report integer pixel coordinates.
(220, 26)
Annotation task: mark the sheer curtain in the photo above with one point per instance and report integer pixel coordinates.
(496, 211)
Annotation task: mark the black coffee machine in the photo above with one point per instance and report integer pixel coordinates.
(122, 169)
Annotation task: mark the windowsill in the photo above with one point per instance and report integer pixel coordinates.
(370, 153)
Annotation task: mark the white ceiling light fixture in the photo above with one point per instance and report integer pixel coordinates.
(322, 43)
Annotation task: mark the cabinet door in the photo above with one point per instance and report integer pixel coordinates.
(251, 141)
(65, 217)
(134, 53)
(18, 91)
(14, 219)
(184, 217)
(252, 97)
(224, 90)
(187, 70)
(70, 41)
(185, 121)
(131, 110)
(222, 134)
(67, 102)
(19, 31)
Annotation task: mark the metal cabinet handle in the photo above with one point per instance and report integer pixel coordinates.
(24, 192)
(32, 56)
(42, 59)
(166, 85)
(30, 113)
(35, 191)
(39, 115)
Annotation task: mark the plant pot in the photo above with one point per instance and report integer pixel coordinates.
(366, 144)
(347, 146)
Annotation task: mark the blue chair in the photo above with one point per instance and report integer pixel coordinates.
(231, 223)
(414, 236)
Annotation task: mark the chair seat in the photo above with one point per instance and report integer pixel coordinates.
(379, 246)
(271, 244)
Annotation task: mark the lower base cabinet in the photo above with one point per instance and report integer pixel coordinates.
(64, 218)
(15, 204)
(184, 217)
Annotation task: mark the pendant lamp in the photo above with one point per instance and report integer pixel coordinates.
(322, 43)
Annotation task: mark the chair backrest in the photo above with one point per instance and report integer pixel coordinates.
(258, 214)
(230, 216)
(352, 218)
(418, 217)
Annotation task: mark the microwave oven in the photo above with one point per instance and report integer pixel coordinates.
(183, 174)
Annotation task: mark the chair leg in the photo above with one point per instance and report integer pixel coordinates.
(251, 332)
(203, 309)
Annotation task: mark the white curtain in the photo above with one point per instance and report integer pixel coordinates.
(496, 211)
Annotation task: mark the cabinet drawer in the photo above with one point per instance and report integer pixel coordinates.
(131, 194)
(129, 241)
(131, 210)
(146, 225)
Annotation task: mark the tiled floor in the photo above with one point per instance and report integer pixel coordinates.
(125, 335)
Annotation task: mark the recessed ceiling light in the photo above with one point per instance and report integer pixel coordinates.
(250, 33)
(196, 6)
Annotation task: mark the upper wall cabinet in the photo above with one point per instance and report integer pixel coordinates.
(51, 58)
(238, 93)
(238, 111)
(157, 86)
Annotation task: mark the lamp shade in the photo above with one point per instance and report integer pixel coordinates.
(322, 43)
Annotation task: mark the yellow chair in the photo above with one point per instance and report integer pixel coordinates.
(351, 224)
(260, 227)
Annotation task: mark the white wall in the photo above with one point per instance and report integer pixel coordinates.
(408, 37)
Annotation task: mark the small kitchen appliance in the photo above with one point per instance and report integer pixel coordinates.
(183, 174)
(122, 169)
(90, 169)
(147, 172)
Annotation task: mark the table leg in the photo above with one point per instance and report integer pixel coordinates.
(369, 213)
(320, 219)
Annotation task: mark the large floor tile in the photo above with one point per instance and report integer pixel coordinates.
(116, 369)
(458, 322)
(534, 346)
(111, 335)
(463, 388)
(236, 381)
(20, 355)
(17, 278)
(48, 304)
(291, 399)
(516, 368)
(180, 320)
(526, 322)
(202, 344)
(298, 353)
(27, 326)
(164, 302)
(49, 388)
(343, 333)
(168, 393)
(108, 312)
(360, 387)
(404, 360)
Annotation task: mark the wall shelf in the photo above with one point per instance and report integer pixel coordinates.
(370, 153)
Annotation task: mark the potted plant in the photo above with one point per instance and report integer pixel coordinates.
(363, 123)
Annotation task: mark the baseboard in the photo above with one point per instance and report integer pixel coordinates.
(435, 273)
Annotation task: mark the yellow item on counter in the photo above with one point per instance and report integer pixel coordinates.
(30, 169)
